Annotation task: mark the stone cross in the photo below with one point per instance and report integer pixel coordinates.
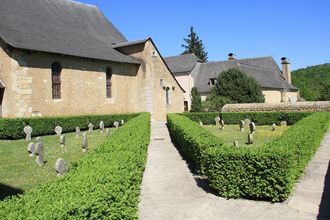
(241, 125)
(30, 149)
(39, 151)
(217, 120)
(61, 167)
(200, 123)
(116, 124)
(273, 127)
(62, 140)
(284, 123)
(250, 138)
(222, 122)
(108, 132)
(122, 122)
(28, 131)
(58, 130)
(39, 139)
(77, 131)
(90, 127)
(84, 144)
(252, 127)
(102, 127)
(236, 144)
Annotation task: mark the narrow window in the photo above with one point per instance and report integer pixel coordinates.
(168, 96)
(56, 80)
(108, 82)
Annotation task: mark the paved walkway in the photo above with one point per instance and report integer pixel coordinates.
(170, 191)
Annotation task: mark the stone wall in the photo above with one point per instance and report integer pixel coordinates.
(279, 107)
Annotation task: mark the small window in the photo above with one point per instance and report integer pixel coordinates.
(108, 82)
(168, 95)
(56, 80)
(212, 81)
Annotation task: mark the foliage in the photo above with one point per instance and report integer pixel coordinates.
(196, 100)
(260, 118)
(313, 82)
(267, 172)
(236, 86)
(12, 128)
(103, 185)
(214, 102)
(195, 45)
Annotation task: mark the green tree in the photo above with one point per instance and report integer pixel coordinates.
(196, 101)
(195, 45)
(214, 103)
(236, 86)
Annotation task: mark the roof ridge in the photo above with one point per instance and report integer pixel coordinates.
(81, 3)
(181, 55)
(263, 57)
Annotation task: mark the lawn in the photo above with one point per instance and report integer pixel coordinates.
(232, 133)
(20, 171)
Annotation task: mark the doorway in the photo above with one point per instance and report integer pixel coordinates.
(2, 92)
(185, 103)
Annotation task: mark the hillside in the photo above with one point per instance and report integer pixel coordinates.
(313, 82)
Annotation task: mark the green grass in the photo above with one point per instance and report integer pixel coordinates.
(232, 133)
(19, 170)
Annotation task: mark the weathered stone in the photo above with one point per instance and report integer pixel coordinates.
(217, 120)
(84, 143)
(247, 122)
(39, 139)
(200, 123)
(30, 149)
(108, 132)
(122, 122)
(62, 141)
(236, 144)
(241, 125)
(102, 127)
(273, 127)
(58, 130)
(77, 132)
(116, 124)
(250, 139)
(39, 152)
(284, 123)
(252, 127)
(61, 167)
(90, 127)
(28, 131)
(222, 123)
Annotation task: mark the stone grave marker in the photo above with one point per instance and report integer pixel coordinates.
(222, 123)
(284, 123)
(200, 123)
(28, 131)
(102, 127)
(77, 132)
(247, 122)
(241, 125)
(90, 127)
(250, 138)
(39, 152)
(84, 143)
(30, 149)
(252, 127)
(108, 132)
(61, 167)
(273, 127)
(62, 140)
(58, 130)
(116, 124)
(236, 144)
(217, 120)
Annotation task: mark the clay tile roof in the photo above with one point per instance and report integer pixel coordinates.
(60, 26)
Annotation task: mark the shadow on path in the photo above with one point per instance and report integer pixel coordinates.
(7, 191)
(324, 210)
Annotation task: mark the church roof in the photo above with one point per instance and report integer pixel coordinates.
(182, 63)
(60, 26)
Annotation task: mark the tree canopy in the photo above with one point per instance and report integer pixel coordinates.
(195, 45)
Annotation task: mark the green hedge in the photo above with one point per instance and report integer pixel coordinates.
(267, 172)
(104, 184)
(12, 128)
(260, 118)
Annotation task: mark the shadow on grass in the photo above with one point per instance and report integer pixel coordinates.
(7, 191)
(324, 210)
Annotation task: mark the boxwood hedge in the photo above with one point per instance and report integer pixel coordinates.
(260, 118)
(267, 172)
(104, 184)
(12, 128)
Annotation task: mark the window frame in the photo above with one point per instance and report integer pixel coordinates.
(56, 70)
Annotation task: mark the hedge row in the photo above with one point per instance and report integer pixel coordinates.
(267, 172)
(260, 118)
(104, 184)
(12, 128)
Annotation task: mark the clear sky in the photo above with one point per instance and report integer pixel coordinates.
(297, 29)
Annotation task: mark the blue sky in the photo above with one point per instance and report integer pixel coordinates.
(297, 29)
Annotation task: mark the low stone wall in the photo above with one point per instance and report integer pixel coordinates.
(278, 107)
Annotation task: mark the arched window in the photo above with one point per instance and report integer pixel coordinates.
(108, 82)
(56, 80)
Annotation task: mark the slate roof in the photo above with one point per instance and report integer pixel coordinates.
(62, 27)
(130, 43)
(182, 63)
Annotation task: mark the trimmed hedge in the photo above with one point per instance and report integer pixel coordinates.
(104, 184)
(12, 128)
(267, 172)
(260, 118)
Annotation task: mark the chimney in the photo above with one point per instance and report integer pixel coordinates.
(286, 69)
(231, 56)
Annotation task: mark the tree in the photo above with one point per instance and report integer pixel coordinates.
(214, 103)
(236, 86)
(195, 45)
(196, 101)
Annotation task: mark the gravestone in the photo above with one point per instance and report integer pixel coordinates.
(252, 127)
(61, 167)
(90, 127)
(236, 144)
(84, 143)
(28, 131)
(39, 139)
(62, 141)
(102, 127)
(222, 122)
(273, 127)
(108, 132)
(284, 123)
(217, 120)
(58, 130)
(77, 132)
(250, 139)
(200, 123)
(241, 125)
(116, 124)
(39, 152)
(247, 122)
(122, 122)
(30, 149)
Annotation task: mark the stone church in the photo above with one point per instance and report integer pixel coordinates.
(61, 57)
